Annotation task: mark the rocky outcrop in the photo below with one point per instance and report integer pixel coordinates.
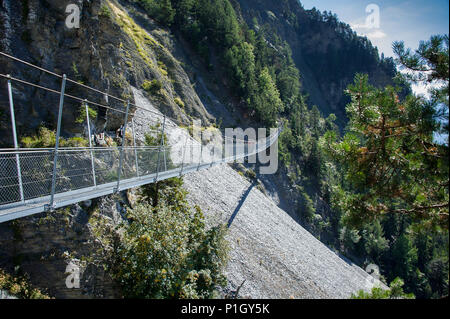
(116, 46)
(43, 246)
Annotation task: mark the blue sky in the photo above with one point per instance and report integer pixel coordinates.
(400, 20)
(407, 20)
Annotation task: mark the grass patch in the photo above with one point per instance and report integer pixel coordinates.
(179, 102)
(139, 36)
(153, 86)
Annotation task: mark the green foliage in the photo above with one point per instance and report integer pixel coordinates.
(404, 256)
(104, 11)
(241, 60)
(154, 86)
(432, 57)
(82, 114)
(430, 63)
(161, 10)
(391, 158)
(349, 238)
(256, 71)
(152, 139)
(375, 244)
(285, 142)
(74, 142)
(19, 287)
(179, 102)
(47, 139)
(306, 207)
(394, 188)
(267, 99)
(345, 54)
(395, 291)
(166, 251)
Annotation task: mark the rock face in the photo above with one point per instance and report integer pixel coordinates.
(116, 46)
(324, 51)
(275, 256)
(46, 245)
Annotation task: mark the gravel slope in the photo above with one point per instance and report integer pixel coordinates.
(274, 254)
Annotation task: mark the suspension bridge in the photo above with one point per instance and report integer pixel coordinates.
(35, 180)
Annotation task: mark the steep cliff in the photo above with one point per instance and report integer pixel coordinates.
(110, 51)
(327, 52)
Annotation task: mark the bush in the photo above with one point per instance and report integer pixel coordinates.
(395, 291)
(153, 86)
(82, 114)
(19, 287)
(74, 142)
(104, 11)
(179, 102)
(166, 251)
(47, 138)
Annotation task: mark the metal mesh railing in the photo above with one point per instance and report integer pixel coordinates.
(30, 177)
(80, 168)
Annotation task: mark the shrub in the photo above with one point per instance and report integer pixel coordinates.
(104, 11)
(82, 114)
(162, 68)
(166, 251)
(74, 142)
(179, 102)
(47, 138)
(395, 291)
(19, 287)
(153, 86)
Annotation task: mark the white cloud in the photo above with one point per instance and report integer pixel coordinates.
(355, 26)
(378, 34)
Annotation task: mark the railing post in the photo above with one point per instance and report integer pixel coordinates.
(256, 145)
(119, 170)
(201, 154)
(135, 150)
(235, 141)
(164, 146)
(184, 153)
(58, 133)
(90, 141)
(160, 146)
(16, 145)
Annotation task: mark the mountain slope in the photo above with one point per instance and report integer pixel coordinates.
(327, 52)
(119, 50)
(275, 256)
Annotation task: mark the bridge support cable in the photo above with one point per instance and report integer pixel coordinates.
(124, 130)
(58, 133)
(77, 165)
(161, 145)
(43, 179)
(90, 142)
(16, 145)
(135, 149)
